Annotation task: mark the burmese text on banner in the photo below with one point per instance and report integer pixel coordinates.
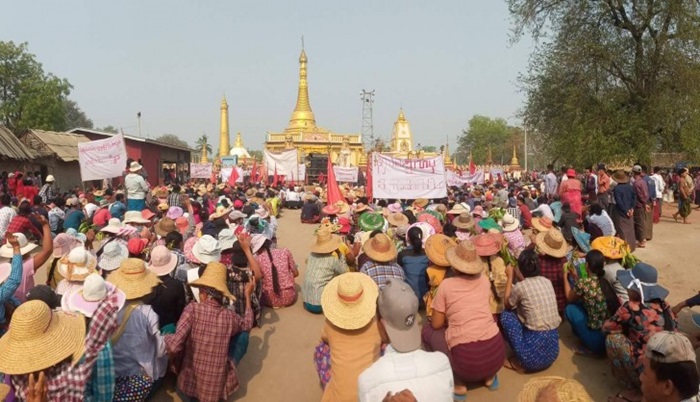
(345, 174)
(286, 163)
(453, 179)
(408, 178)
(102, 159)
(200, 170)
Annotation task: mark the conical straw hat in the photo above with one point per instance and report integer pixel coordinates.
(349, 300)
(134, 279)
(214, 277)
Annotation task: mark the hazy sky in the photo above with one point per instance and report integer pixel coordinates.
(173, 60)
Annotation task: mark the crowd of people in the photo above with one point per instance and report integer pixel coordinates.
(420, 297)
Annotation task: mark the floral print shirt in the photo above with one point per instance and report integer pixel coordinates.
(588, 289)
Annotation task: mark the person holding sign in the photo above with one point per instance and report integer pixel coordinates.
(136, 188)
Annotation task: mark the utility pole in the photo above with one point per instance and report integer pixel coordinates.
(367, 119)
(525, 142)
(138, 120)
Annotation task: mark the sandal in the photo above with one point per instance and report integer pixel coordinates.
(494, 384)
(459, 397)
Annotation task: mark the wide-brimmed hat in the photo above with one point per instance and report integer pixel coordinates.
(397, 219)
(349, 300)
(112, 256)
(478, 211)
(39, 338)
(220, 211)
(464, 258)
(326, 242)
(421, 202)
(330, 210)
(689, 322)
(620, 177)
(565, 390)
(328, 226)
(235, 215)
(86, 298)
(435, 248)
(542, 224)
(509, 223)
(163, 261)
(214, 277)
(115, 226)
(134, 217)
(207, 249)
(490, 223)
(359, 207)
(425, 227)
(174, 212)
(163, 207)
(134, 279)
(77, 265)
(395, 207)
(371, 221)
(135, 166)
(380, 248)
(226, 239)
(459, 208)
(612, 247)
(63, 243)
(256, 241)
(187, 249)
(165, 226)
(147, 214)
(25, 246)
(582, 238)
(262, 213)
(552, 243)
(642, 278)
(464, 221)
(49, 179)
(487, 244)
(431, 220)
(343, 207)
(250, 192)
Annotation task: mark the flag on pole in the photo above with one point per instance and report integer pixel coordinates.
(472, 166)
(254, 172)
(274, 178)
(233, 178)
(333, 193)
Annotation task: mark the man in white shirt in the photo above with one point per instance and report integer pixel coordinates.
(404, 366)
(292, 199)
(660, 187)
(550, 182)
(136, 188)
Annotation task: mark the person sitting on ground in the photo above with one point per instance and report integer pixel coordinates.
(569, 219)
(614, 250)
(415, 263)
(462, 325)
(74, 214)
(382, 263)
(350, 338)
(592, 300)
(22, 222)
(404, 364)
(670, 371)
(310, 211)
(322, 265)
(599, 217)
(168, 298)
(512, 234)
(278, 272)
(552, 250)
(488, 247)
(530, 320)
(628, 331)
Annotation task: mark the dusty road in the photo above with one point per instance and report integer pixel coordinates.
(279, 366)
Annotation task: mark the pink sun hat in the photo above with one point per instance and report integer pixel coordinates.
(86, 298)
(163, 261)
(425, 227)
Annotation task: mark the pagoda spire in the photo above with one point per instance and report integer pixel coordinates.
(302, 117)
(239, 141)
(224, 147)
(205, 154)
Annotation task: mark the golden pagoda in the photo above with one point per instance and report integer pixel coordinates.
(205, 154)
(303, 134)
(239, 151)
(224, 147)
(514, 163)
(401, 144)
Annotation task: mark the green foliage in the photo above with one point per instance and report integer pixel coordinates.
(257, 155)
(108, 129)
(75, 117)
(611, 80)
(173, 139)
(202, 140)
(30, 97)
(429, 148)
(484, 132)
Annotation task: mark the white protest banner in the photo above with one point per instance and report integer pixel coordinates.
(226, 172)
(453, 179)
(200, 170)
(286, 163)
(102, 159)
(302, 173)
(477, 177)
(408, 178)
(345, 174)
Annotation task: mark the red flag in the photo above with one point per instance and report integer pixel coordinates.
(472, 166)
(254, 172)
(333, 193)
(368, 182)
(274, 178)
(233, 178)
(321, 178)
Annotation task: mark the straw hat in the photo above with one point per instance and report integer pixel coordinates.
(435, 248)
(380, 248)
(207, 249)
(165, 226)
(542, 224)
(463, 258)
(421, 202)
(371, 221)
(163, 207)
(326, 242)
(349, 300)
(250, 192)
(552, 243)
(458, 209)
(612, 247)
(49, 179)
(220, 211)
(135, 167)
(620, 177)
(113, 253)
(359, 207)
(397, 219)
(509, 223)
(86, 298)
(487, 244)
(540, 388)
(214, 277)
(39, 338)
(77, 265)
(343, 207)
(24, 246)
(134, 217)
(330, 210)
(464, 221)
(134, 279)
(163, 261)
(328, 226)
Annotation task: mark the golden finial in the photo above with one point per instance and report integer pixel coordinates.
(239, 141)
(205, 154)
(401, 115)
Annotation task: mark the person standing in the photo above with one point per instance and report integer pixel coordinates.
(685, 191)
(660, 188)
(624, 197)
(48, 191)
(550, 182)
(603, 187)
(641, 192)
(651, 200)
(570, 191)
(136, 188)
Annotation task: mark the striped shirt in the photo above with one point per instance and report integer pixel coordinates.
(320, 269)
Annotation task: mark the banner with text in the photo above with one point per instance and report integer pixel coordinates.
(453, 179)
(286, 163)
(102, 159)
(408, 178)
(226, 172)
(345, 174)
(200, 170)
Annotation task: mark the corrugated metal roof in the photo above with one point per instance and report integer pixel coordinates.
(131, 137)
(11, 147)
(64, 145)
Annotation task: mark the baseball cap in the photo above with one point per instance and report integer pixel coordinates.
(398, 306)
(45, 294)
(637, 169)
(670, 347)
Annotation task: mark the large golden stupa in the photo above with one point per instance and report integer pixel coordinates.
(303, 134)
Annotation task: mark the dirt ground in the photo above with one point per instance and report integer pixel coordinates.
(279, 366)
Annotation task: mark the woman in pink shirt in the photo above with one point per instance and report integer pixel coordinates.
(462, 325)
(570, 191)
